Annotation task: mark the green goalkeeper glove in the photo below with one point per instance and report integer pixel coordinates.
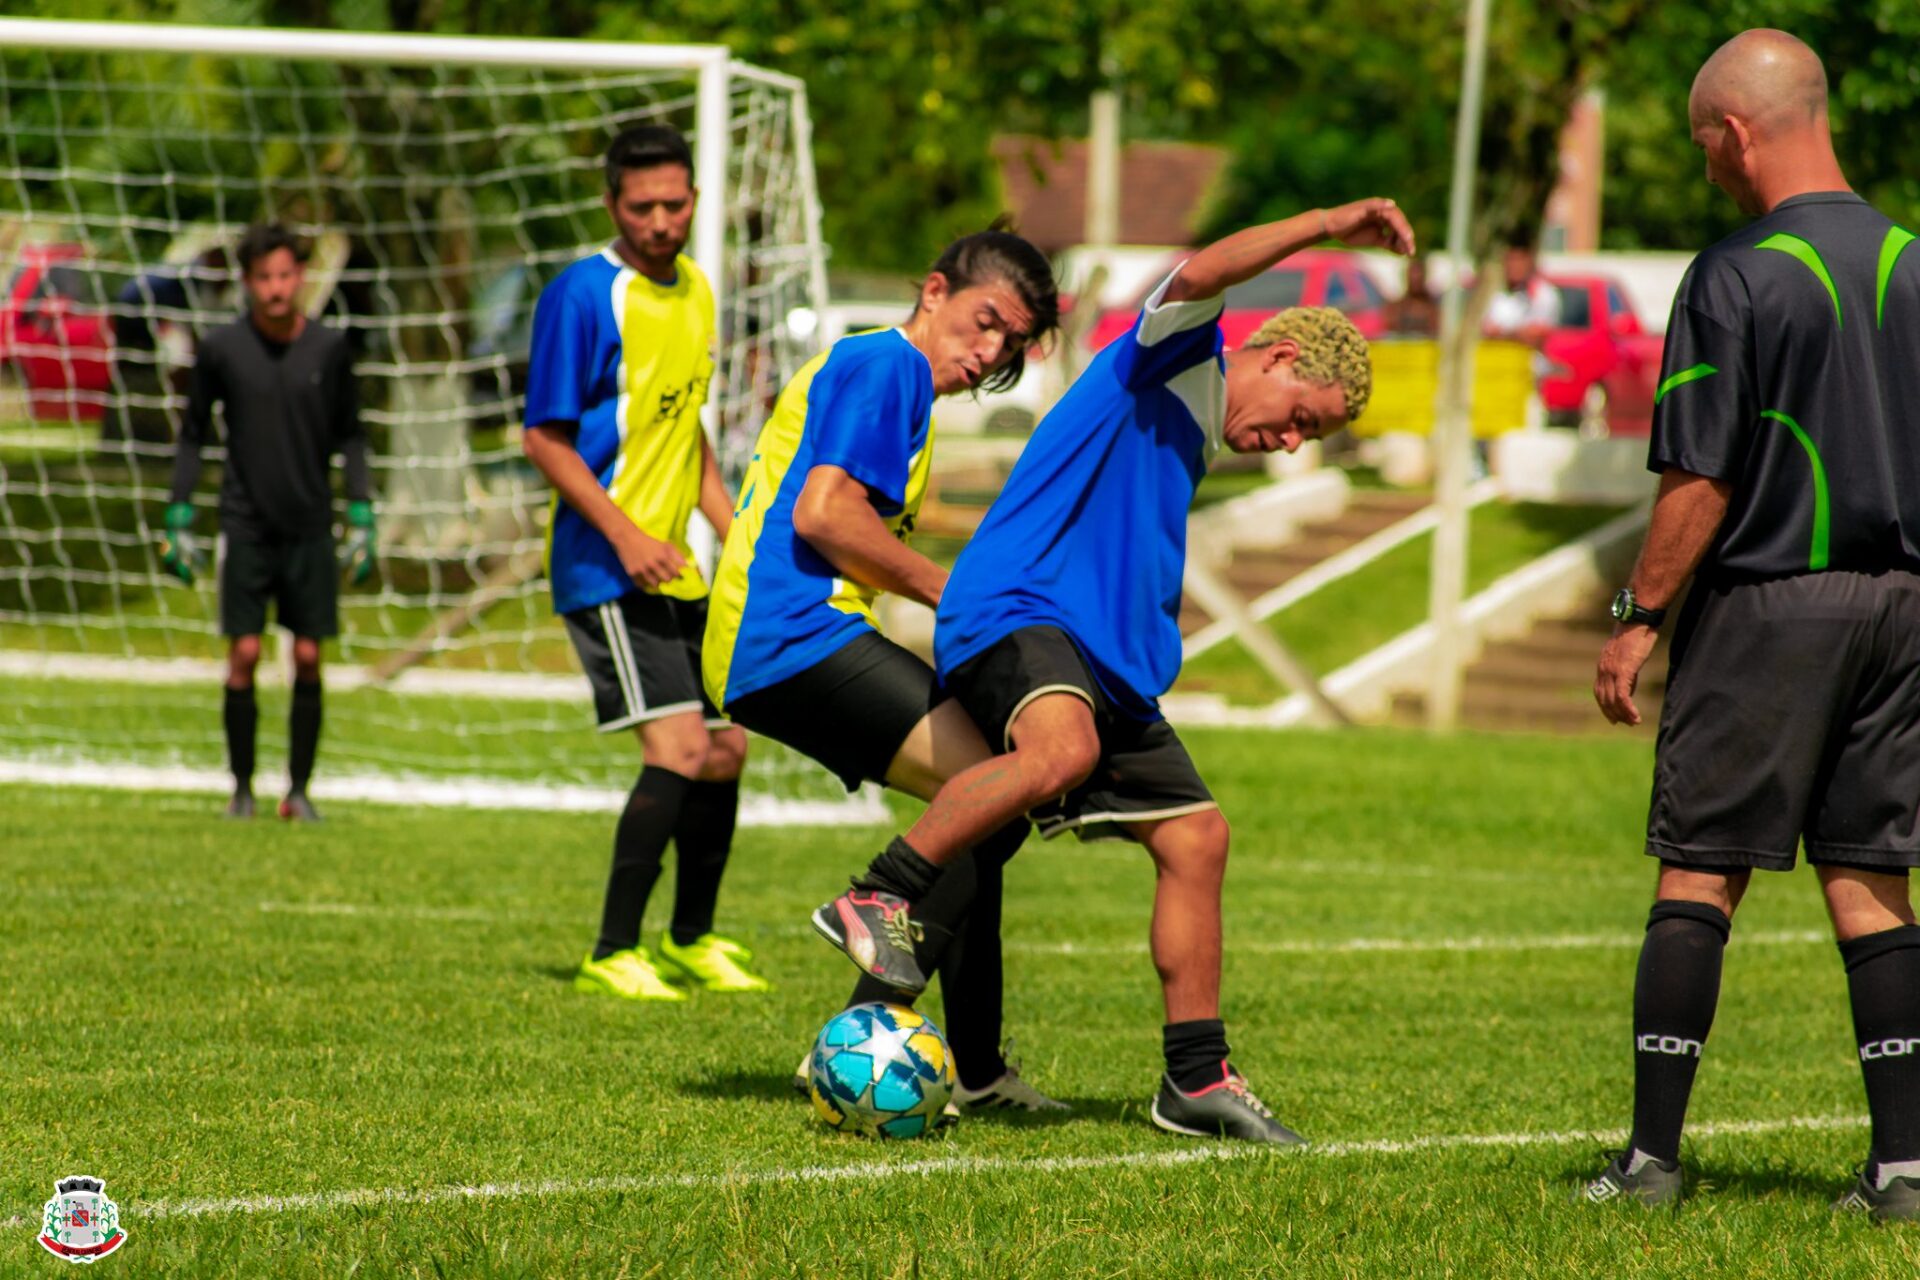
(360, 543)
(179, 554)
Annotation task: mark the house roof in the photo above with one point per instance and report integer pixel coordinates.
(1164, 188)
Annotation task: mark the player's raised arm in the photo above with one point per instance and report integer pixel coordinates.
(1375, 223)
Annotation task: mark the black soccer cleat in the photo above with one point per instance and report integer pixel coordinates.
(1225, 1110)
(297, 808)
(1634, 1175)
(876, 932)
(1897, 1201)
(240, 805)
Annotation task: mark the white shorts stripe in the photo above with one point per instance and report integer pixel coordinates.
(620, 649)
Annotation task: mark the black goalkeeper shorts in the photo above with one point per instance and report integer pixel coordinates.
(1792, 714)
(299, 577)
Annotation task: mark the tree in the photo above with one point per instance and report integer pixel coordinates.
(1656, 194)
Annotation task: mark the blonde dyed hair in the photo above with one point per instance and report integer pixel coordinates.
(1332, 352)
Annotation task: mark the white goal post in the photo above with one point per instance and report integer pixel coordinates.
(441, 182)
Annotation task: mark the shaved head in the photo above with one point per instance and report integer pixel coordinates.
(1769, 79)
(1758, 112)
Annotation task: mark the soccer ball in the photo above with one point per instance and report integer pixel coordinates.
(881, 1070)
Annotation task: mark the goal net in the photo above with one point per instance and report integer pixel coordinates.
(441, 182)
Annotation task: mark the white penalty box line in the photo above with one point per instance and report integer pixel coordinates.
(947, 1166)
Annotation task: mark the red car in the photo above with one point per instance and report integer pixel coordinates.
(56, 333)
(1602, 365)
(1312, 278)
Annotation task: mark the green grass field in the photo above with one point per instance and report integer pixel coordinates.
(353, 1049)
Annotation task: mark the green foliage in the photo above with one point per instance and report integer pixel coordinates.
(1657, 195)
(1316, 104)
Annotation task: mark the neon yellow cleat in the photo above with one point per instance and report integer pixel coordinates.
(627, 974)
(712, 962)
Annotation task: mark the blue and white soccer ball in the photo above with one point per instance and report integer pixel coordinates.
(881, 1070)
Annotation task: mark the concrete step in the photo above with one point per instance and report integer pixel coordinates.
(1523, 662)
(1522, 715)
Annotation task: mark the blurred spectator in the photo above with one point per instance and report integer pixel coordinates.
(1415, 313)
(1529, 306)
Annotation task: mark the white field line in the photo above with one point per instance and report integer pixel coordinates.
(1296, 946)
(947, 1166)
(1281, 865)
(864, 808)
(1339, 946)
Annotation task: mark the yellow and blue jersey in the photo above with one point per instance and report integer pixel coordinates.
(626, 361)
(864, 405)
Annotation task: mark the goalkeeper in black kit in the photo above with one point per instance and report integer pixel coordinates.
(287, 387)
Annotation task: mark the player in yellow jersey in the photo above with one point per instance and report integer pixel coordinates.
(793, 649)
(622, 354)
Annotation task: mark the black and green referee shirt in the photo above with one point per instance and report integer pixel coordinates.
(1792, 371)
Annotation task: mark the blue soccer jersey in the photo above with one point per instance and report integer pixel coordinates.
(625, 361)
(778, 606)
(1090, 533)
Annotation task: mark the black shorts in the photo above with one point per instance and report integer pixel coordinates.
(1792, 713)
(299, 575)
(1144, 772)
(850, 711)
(641, 654)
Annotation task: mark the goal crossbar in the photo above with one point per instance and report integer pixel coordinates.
(356, 46)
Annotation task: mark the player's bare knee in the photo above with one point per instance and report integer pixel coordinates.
(1192, 847)
(1715, 888)
(1207, 838)
(243, 656)
(726, 755)
(306, 660)
(1059, 765)
(1862, 901)
(678, 744)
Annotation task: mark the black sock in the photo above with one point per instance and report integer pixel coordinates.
(1883, 978)
(901, 871)
(971, 978)
(303, 734)
(1674, 996)
(241, 715)
(1196, 1053)
(702, 838)
(646, 824)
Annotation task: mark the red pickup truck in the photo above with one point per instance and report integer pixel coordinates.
(1602, 365)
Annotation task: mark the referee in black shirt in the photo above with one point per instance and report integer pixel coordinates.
(288, 390)
(1787, 437)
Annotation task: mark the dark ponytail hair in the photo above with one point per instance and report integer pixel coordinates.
(997, 254)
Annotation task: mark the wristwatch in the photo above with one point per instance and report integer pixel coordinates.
(1627, 609)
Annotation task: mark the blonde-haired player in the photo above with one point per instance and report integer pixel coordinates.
(1057, 631)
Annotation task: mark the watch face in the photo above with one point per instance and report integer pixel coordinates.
(1623, 604)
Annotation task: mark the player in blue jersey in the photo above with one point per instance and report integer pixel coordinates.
(793, 646)
(1057, 631)
(622, 354)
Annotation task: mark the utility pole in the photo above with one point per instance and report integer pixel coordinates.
(1453, 418)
